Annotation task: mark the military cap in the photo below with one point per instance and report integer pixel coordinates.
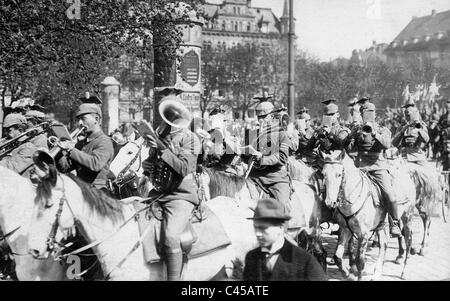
(409, 103)
(330, 109)
(264, 97)
(14, 119)
(303, 110)
(368, 106)
(88, 108)
(34, 114)
(363, 100)
(217, 110)
(328, 101)
(352, 102)
(270, 208)
(305, 116)
(264, 108)
(88, 98)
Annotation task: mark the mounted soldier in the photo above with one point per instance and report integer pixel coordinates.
(305, 133)
(20, 155)
(412, 137)
(171, 167)
(369, 142)
(270, 151)
(34, 118)
(224, 148)
(90, 157)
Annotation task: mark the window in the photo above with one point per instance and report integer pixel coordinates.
(240, 26)
(234, 10)
(239, 10)
(236, 27)
(249, 26)
(223, 25)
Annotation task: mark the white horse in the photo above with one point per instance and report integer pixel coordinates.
(16, 206)
(132, 153)
(100, 218)
(360, 213)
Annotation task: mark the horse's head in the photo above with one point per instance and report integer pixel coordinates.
(333, 171)
(129, 153)
(51, 221)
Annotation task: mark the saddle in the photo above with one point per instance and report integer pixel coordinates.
(204, 233)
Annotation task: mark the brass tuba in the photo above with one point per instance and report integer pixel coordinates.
(174, 115)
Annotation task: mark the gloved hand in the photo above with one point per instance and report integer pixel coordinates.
(155, 143)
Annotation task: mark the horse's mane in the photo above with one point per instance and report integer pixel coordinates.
(222, 183)
(98, 201)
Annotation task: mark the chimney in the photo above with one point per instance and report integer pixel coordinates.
(433, 12)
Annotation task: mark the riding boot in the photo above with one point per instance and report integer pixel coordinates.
(174, 262)
(394, 224)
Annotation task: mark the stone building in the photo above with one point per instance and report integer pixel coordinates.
(423, 39)
(236, 22)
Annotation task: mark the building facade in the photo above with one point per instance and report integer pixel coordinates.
(424, 39)
(236, 22)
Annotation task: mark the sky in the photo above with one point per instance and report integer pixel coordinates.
(328, 29)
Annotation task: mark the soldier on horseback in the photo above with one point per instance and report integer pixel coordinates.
(91, 156)
(369, 142)
(413, 136)
(172, 166)
(270, 154)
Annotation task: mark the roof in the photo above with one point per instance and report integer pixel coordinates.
(423, 30)
(426, 25)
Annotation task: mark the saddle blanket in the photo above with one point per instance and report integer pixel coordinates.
(208, 234)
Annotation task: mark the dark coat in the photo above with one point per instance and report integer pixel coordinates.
(90, 158)
(293, 264)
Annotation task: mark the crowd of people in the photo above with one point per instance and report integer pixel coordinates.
(259, 150)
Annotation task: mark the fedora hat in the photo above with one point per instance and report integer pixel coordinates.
(270, 208)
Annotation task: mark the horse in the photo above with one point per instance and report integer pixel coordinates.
(428, 187)
(127, 168)
(112, 225)
(16, 204)
(304, 201)
(359, 213)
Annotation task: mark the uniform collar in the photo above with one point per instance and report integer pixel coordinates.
(94, 135)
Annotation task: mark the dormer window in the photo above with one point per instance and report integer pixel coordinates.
(427, 37)
(405, 42)
(264, 28)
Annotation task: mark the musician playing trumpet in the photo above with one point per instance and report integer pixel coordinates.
(91, 156)
(412, 138)
(21, 157)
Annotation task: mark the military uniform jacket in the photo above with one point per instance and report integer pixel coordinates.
(273, 143)
(370, 148)
(20, 158)
(90, 158)
(293, 264)
(181, 156)
(412, 141)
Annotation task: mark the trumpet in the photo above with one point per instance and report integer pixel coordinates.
(53, 141)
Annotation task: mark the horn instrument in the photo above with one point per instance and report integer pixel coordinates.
(7, 146)
(53, 140)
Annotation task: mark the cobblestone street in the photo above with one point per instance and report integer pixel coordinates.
(435, 265)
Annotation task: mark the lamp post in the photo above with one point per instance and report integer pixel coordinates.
(291, 87)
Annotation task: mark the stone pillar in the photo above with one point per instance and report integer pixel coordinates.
(184, 75)
(110, 107)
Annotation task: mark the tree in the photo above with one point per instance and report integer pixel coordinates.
(51, 54)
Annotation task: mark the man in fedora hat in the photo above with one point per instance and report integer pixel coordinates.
(277, 259)
(91, 156)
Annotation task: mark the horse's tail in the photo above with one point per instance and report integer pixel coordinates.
(427, 184)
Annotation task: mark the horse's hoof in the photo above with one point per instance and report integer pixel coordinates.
(352, 277)
(398, 260)
(413, 251)
(422, 252)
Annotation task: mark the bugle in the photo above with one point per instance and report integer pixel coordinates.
(53, 141)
